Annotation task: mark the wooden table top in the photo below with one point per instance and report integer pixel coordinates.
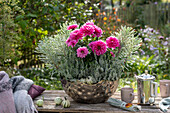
(49, 105)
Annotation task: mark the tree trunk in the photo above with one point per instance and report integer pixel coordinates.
(120, 2)
(112, 3)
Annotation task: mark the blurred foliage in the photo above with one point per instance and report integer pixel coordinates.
(31, 20)
(8, 33)
(43, 17)
(128, 82)
(145, 12)
(137, 66)
(140, 2)
(153, 55)
(8, 69)
(44, 77)
(108, 21)
(166, 30)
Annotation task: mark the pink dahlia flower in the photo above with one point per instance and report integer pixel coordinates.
(91, 45)
(68, 40)
(76, 35)
(82, 52)
(98, 31)
(87, 30)
(113, 55)
(89, 23)
(74, 26)
(72, 43)
(112, 42)
(99, 47)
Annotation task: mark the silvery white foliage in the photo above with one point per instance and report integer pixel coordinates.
(102, 68)
(53, 48)
(129, 42)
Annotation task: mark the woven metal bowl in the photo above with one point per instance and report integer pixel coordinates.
(94, 93)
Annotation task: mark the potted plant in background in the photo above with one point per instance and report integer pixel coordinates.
(89, 64)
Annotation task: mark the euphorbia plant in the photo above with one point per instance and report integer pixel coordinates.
(80, 53)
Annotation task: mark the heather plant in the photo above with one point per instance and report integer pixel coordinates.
(153, 42)
(80, 53)
(153, 55)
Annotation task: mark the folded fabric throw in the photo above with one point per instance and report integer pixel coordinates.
(124, 105)
(6, 96)
(23, 101)
(165, 104)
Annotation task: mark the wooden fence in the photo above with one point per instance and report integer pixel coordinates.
(154, 15)
(30, 59)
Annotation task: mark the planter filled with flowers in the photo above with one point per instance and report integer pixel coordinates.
(90, 65)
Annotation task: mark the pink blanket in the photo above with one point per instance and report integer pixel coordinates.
(6, 95)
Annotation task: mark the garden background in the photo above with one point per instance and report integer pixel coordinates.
(24, 22)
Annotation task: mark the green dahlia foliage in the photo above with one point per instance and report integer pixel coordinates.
(95, 66)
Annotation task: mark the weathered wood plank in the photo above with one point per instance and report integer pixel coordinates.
(77, 107)
(49, 105)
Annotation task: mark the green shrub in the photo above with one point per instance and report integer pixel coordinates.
(44, 77)
(8, 34)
